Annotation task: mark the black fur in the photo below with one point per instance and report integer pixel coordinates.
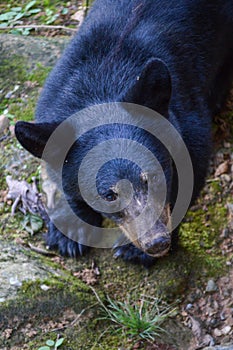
(183, 53)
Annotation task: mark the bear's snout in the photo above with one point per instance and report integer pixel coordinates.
(159, 247)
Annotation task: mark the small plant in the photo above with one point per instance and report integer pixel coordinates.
(52, 345)
(32, 223)
(50, 16)
(139, 319)
(15, 15)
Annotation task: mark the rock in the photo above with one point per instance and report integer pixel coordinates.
(16, 267)
(208, 340)
(189, 306)
(230, 208)
(33, 50)
(4, 123)
(227, 144)
(15, 282)
(217, 332)
(44, 287)
(211, 287)
(12, 130)
(225, 178)
(10, 93)
(220, 347)
(226, 330)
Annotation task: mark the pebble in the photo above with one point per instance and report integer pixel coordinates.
(230, 208)
(44, 287)
(4, 123)
(189, 306)
(211, 287)
(15, 282)
(227, 144)
(225, 178)
(10, 93)
(217, 332)
(222, 316)
(225, 233)
(226, 330)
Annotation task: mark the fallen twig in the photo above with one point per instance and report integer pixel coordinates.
(41, 251)
(40, 26)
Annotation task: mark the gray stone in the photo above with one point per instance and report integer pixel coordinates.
(33, 49)
(226, 330)
(4, 123)
(17, 266)
(211, 287)
(220, 347)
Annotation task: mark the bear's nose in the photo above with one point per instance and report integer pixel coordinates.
(159, 246)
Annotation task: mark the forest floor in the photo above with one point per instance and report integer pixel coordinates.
(44, 296)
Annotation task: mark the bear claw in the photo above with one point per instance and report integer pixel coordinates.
(66, 247)
(134, 255)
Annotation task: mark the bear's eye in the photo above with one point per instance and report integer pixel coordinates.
(144, 178)
(110, 196)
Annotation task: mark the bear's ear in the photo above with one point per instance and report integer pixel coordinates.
(152, 88)
(33, 137)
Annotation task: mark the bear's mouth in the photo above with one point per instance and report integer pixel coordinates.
(157, 241)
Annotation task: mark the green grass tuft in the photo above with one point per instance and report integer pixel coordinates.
(139, 319)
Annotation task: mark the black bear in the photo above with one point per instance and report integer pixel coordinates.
(174, 57)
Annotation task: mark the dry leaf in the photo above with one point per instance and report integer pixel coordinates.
(222, 168)
(78, 16)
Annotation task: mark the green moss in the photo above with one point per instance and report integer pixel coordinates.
(21, 105)
(13, 71)
(2, 178)
(11, 225)
(65, 282)
(23, 110)
(86, 338)
(94, 339)
(65, 292)
(200, 231)
(39, 74)
(34, 305)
